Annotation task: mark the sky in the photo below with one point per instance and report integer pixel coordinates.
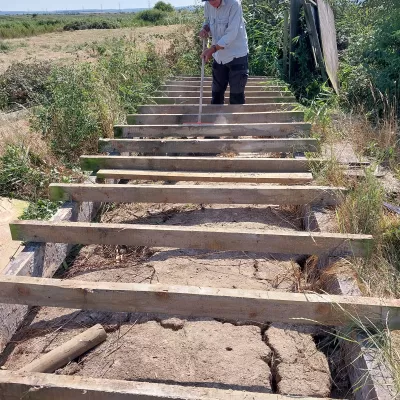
(43, 5)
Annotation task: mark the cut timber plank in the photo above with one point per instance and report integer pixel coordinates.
(207, 86)
(36, 386)
(211, 146)
(193, 93)
(197, 194)
(199, 164)
(232, 304)
(207, 100)
(283, 178)
(218, 118)
(193, 237)
(209, 78)
(215, 108)
(259, 129)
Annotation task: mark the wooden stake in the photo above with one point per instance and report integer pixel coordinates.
(62, 355)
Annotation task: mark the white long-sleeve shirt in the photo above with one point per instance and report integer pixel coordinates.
(228, 30)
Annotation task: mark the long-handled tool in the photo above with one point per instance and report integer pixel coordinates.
(202, 83)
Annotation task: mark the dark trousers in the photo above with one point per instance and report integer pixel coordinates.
(236, 74)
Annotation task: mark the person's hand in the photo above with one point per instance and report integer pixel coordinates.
(204, 33)
(207, 54)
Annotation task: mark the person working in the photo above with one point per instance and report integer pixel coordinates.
(224, 22)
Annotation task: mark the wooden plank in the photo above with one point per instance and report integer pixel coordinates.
(209, 78)
(279, 129)
(217, 118)
(214, 108)
(285, 42)
(328, 42)
(231, 304)
(314, 38)
(211, 146)
(321, 195)
(283, 178)
(294, 30)
(199, 164)
(207, 87)
(193, 237)
(207, 100)
(36, 386)
(207, 93)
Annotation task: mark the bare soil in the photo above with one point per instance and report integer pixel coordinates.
(74, 46)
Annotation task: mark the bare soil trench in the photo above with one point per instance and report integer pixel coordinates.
(193, 351)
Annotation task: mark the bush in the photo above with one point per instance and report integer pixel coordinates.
(77, 110)
(21, 174)
(154, 16)
(21, 85)
(166, 7)
(41, 209)
(81, 25)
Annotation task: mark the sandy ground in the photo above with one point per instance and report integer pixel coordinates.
(197, 351)
(75, 46)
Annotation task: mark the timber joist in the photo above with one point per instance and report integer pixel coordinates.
(208, 146)
(198, 164)
(217, 118)
(207, 99)
(215, 108)
(267, 129)
(173, 147)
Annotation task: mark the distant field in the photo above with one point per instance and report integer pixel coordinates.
(18, 26)
(65, 47)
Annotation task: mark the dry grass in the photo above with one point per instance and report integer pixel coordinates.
(75, 46)
(17, 132)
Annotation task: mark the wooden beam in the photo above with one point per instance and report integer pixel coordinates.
(207, 100)
(36, 386)
(183, 194)
(199, 164)
(251, 87)
(210, 146)
(217, 118)
(283, 178)
(231, 304)
(279, 129)
(214, 108)
(192, 237)
(207, 93)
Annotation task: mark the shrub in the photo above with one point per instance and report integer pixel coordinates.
(21, 85)
(154, 16)
(41, 209)
(81, 25)
(166, 7)
(77, 110)
(21, 174)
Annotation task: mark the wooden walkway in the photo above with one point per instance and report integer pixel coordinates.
(264, 135)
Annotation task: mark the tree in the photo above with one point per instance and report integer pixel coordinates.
(167, 7)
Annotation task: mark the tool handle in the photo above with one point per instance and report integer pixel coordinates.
(202, 83)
